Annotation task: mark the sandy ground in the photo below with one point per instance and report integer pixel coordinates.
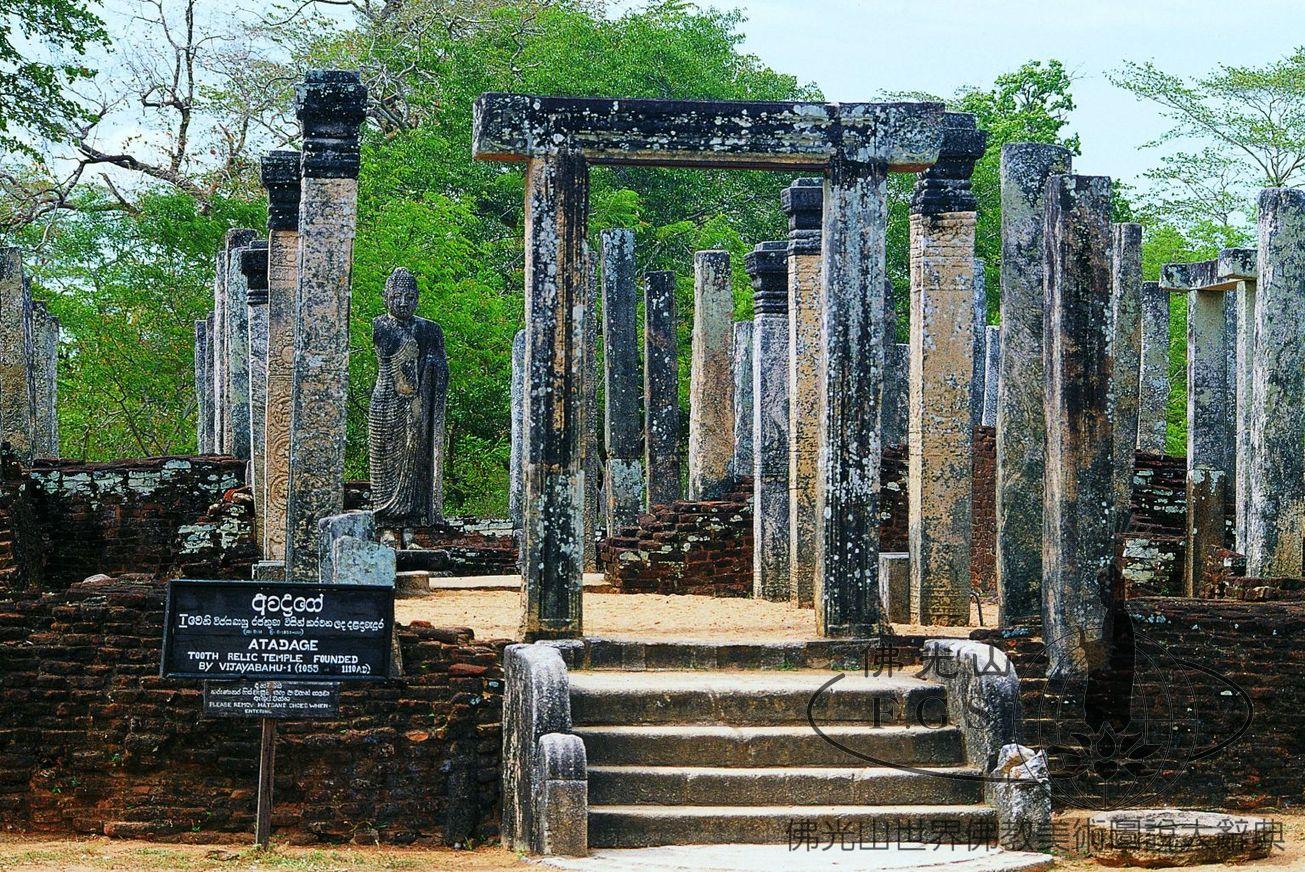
(496, 614)
(1291, 855)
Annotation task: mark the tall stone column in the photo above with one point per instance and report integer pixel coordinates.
(1153, 373)
(217, 344)
(1275, 519)
(203, 390)
(941, 432)
(516, 457)
(210, 333)
(17, 400)
(330, 105)
(235, 436)
(557, 216)
(661, 390)
(711, 382)
(742, 463)
(1021, 422)
(1078, 544)
(622, 382)
(979, 377)
(895, 412)
(991, 373)
(45, 379)
(1126, 344)
(593, 459)
(854, 225)
(767, 266)
(253, 263)
(1240, 267)
(803, 201)
(280, 174)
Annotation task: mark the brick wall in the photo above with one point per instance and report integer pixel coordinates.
(468, 546)
(93, 741)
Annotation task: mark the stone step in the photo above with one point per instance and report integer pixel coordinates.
(806, 785)
(901, 654)
(794, 745)
(750, 858)
(752, 698)
(637, 826)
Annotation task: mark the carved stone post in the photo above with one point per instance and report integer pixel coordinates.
(1078, 545)
(17, 402)
(1021, 425)
(743, 460)
(557, 215)
(592, 460)
(847, 499)
(253, 264)
(803, 201)
(45, 378)
(711, 383)
(1126, 343)
(979, 377)
(516, 458)
(1275, 521)
(622, 385)
(203, 390)
(991, 373)
(280, 173)
(661, 390)
(330, 105)
(1153, 374)
(941, 432)
(767, 266)
(235, 436)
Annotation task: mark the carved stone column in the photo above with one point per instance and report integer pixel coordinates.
(661, 390)
(767, 266)
(941, 432)
(280, 173)
(557, 215)
(622, 384)
(235, 436)
(203, 390)
(991, 373)
(1078, 544)
(253, 264)
(803, 201)
(330, 104)
(711, 381)
(1021, 425)
(742, 462)
(45, 379)
(1126, 344)
(17, 403)
(1275, 520)
(1153, 374)
(516, 458)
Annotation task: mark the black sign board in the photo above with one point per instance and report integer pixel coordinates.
(277, 631)
(285, 700)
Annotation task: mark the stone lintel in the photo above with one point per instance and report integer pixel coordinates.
(1224, 273)
(707, 133)
(280, 176)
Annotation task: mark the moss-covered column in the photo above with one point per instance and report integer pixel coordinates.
(235, 347)
(661, 390)
(1126, 343)
(1153, 372)
(711, 381)
(17, 403)
(45, 378)
(741, 464)
(767, 266)
(253, 264)
(622, 385)
(203, 389)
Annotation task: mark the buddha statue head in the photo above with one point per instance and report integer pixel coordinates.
(401, 294)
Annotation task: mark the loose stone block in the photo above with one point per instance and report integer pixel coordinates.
(516, 461)
(767, 266)
(661, 390)
(1206, 525)
(203, 391)
(979, 378)
(359, 525)
(361, 561)
(895, 586)
(1275, 520)
(330, 105)
(742, 463)
(1153, 375)
(253, 264)
(711, 382)
(236, 417)
(622, 381)
(45, 379)
(991, 373)
(1021, 422)
(803, 201)
(1126, 345)
(17, 411)
(1078, 538)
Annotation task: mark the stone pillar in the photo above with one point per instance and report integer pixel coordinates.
(1207, 492)
(854, 224)
(767, 266)
(203, 391)
(45, 379)
(741, 465)
(991, 373)
(235, 435)
(941, 432)
(622, 385)
(711, 381)
(330, 105)
(1208, 410)
(1021, 425)
(803, 201)
(1153, 373)
(1275, 519)
(210, 333)
(1126, 353)
(895, 586)
(557, 216)
(217, 345)
(1239, 267)
(895, 411)
(978, 380)
(516, 457)
(661, 390)
(1078, 543)
(592, 461)
(280, 174)
(253, 264)
(17, 400)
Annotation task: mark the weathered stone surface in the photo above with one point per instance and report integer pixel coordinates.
(983, 696)
(1126, 352)
(1161, 838)
(767, 266)
(711, 381)
(1022, 795)
(45, 380)
(217, 349)
(622, 381)
(253, 264)
(661, 390)
(17, 412)
(361, 561)
(561, 796)
(356, 525)
(536, 702)
(236, 418)
(330, 105)
(742, 134)
(741, 464)
(203, 390)
(895, 586)
(895, 411)
(516, 457)
(1078, 522)
(991, 373)
(1153, 374)
(803, 201)
(1243, 301)
(979, 376)
(592, 457)
(1275, 522)
(1207, 489)
(1021, 422)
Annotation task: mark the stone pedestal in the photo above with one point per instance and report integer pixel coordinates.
(1078, 544)
(661, 390)
(767, 266)
(330, 105)
(741, 465)
(1275, 518)
(203, 391)
(516, 457)
(235, 416)
(622, 385)
(1021, 425)
(45, 379)
(17, 403)
(1153, 373)
(803, 202)
(253, 264)
(711, 382)
(991, 373)
(1126, 347)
